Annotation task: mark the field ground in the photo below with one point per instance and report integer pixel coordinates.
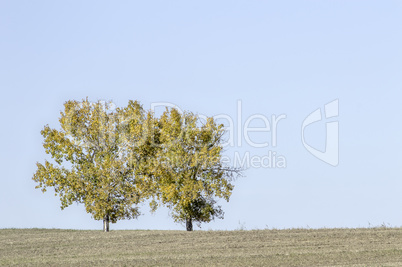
(296, 247)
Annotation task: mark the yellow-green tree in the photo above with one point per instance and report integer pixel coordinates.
(191, 175)
(100, 158)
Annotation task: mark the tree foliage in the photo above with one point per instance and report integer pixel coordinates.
(100, 156)
(110, 160)
(191, 174)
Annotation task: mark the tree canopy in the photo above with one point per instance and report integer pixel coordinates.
(99, 157)
(191, 173)
(111, 160)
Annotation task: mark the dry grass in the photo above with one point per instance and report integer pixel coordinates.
(297, 247)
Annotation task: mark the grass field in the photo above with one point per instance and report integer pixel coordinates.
(297, 247)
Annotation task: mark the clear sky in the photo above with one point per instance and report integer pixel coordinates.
(273, 58)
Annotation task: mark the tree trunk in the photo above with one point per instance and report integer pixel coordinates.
(189, 224)
(106, 223)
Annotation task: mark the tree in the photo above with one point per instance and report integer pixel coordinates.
(100, 158)
(191, 174)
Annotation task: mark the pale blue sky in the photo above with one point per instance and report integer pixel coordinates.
(276, 57)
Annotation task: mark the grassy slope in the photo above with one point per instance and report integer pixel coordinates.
(298, 247)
